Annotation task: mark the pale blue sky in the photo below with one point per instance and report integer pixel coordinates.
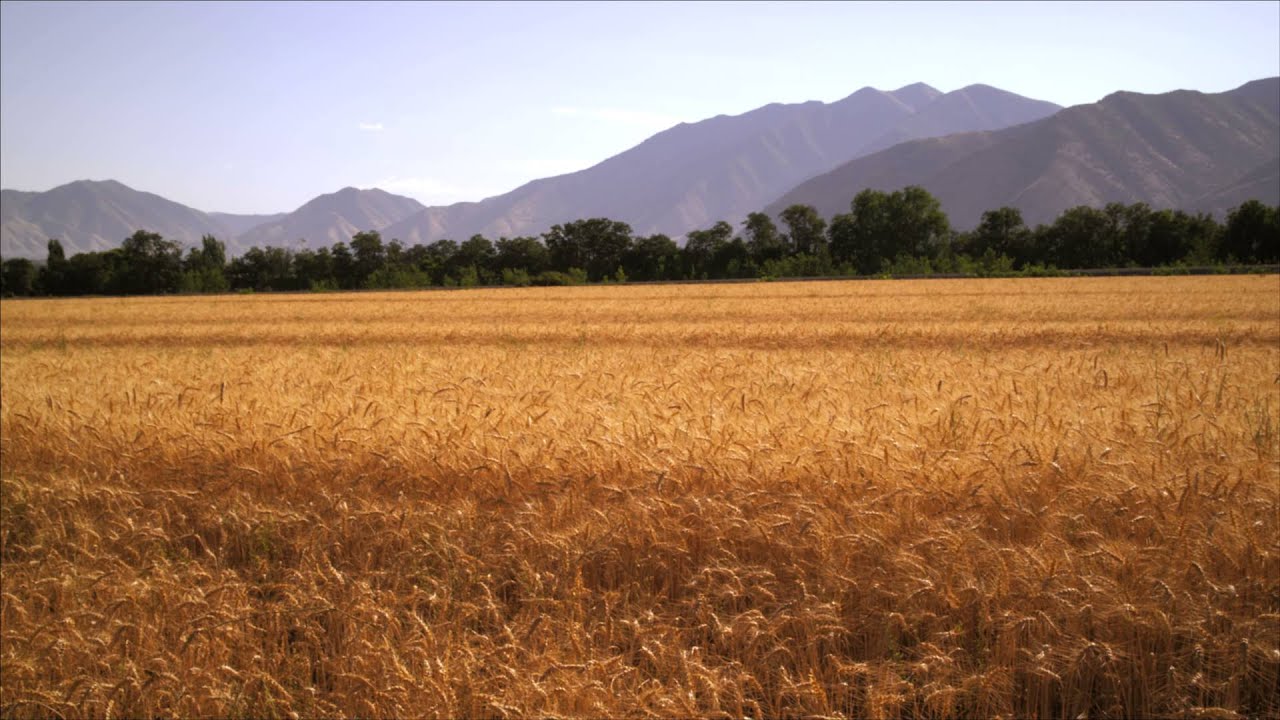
(258, 107)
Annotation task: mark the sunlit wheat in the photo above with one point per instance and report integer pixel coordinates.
(936, 499)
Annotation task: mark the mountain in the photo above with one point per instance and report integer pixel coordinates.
(1182, 149)
(691, 175)
(332, 218)
(237, 224)
(973, 108)
(89, 215)
(1261, 183)
(683, 178)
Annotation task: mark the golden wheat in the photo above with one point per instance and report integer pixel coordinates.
(935, 499)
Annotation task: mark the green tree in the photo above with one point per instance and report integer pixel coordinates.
(703, 247)
(17, 277)
(764, 242)
(862, 236)
(369, 254)
(1203, 236)
(733, 260)
(522, 253)
(806, 230)
(52, 278)
(656, 257)
(1000, 232)
(1132, 231)
(516, 277)
(344, 266)
(1079, 238)
(440, 259)
(151, 264)
(395, 255)
(596, 245)
(95, 273)
(1170, 236)
(919, 227)
(204, 270)
(314, 269)
(477, 252)
(443, 250)
(213, 253)
(883, 226)
(468, 277)
(1252, 234)
(264, 269)
(566, 248)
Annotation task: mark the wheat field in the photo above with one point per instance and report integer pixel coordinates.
(876, 499)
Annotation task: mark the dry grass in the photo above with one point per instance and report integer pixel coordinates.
(939, 499)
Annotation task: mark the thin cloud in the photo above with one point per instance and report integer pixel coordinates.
(371, 127)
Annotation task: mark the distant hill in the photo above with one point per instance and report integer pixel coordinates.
(976, 148)
(89, 215)
(332, 218)
(692, 175)
(237, 224)
(1181, 149)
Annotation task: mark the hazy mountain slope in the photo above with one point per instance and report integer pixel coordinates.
(91, 215)
(969, 109)
(692, 175)
(237, 224)
(14, 200)
(917, 95)
(1169, 150)
(1261, 183)
(681, 177)
(686, 177)
(332, 218)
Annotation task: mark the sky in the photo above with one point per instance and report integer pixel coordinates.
(258, 107)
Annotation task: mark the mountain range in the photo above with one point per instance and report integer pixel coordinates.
(976, 149)
(332, 218)
(1183, 149)
(90, 216)
(692, 175)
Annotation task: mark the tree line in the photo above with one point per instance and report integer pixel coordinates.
(884, 233)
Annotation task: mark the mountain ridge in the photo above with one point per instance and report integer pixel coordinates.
(693, 174)
(684, 177)
(332, 218)
(1176, 149)
(97, 215)
(89, 215)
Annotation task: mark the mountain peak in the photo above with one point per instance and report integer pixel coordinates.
(1268, 83)
(981, 87)
(916, 95)
(91, 215)
(1128, 147)
(96, 184)
(1128, 96)
(862, 92)
(722, 168)
(333, 217)
(682, 178)
(917, 87)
